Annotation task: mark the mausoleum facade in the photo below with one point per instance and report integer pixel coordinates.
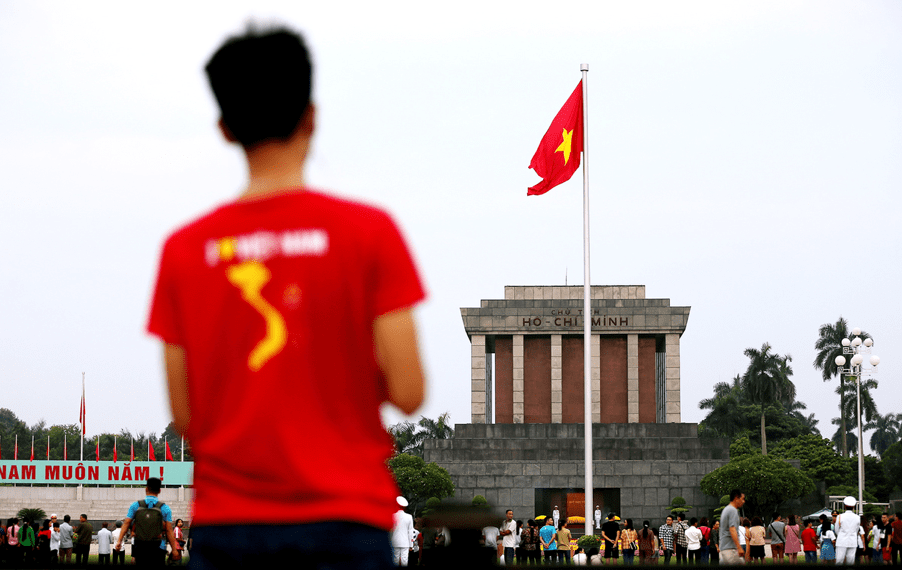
(524, 447)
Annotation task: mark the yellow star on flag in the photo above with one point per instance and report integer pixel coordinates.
(565, 145)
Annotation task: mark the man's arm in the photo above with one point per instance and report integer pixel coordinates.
(125, 526)
(735, 536)
(395, 339)
(177, 377)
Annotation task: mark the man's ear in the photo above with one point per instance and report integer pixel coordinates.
(226, 133)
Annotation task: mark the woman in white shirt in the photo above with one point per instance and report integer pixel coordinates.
(694, 542)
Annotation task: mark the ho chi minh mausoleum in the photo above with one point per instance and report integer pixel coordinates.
(524, 446)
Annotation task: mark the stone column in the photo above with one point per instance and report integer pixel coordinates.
(517, 349)
(557, 376)
(489, 397)
(480, 404)
(595, 342)
(672, 377)
(632, 378)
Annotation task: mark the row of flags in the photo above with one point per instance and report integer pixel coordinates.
(151, 456)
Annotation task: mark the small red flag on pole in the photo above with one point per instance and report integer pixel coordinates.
(557, 157)
(150, 455)
(97, 450)
(114, 448)
(48, 448)
(168, 452)
(16, 451)
(32, 449)
(133, 450)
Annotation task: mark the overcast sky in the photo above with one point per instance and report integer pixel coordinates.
(744, 161)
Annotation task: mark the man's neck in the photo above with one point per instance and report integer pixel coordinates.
(276, 166)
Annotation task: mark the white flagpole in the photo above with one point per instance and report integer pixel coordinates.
(587, 312)
(84, 413)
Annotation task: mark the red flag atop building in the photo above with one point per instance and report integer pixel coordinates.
(150, 455)
(557, 157)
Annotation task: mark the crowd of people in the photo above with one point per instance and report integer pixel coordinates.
(25, 543)
(845, 538)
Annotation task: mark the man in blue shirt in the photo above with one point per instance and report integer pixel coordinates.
(547, 534)
(151, 552)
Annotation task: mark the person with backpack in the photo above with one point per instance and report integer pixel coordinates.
(152, 528)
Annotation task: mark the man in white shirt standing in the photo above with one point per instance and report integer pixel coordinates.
(509, 537)
(118, 555)
(597, 517)
(556, 515)
(847, 525)
(104, 542)
(402, 534)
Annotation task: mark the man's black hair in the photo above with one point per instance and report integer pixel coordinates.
(261, 81)
(67, 518)
(154, 485)
(734, 494)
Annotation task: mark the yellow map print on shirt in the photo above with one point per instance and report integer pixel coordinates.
(250, 277)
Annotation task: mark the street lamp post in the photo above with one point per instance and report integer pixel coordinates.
(857, 348)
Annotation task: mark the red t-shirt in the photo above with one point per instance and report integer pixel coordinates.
(809, 539)
(273, 301)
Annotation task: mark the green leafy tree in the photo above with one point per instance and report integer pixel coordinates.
(742, 447)
(432, 504)
(849, 491)
(886, 431)
(892, 462)
(479, 501)
(419, 480)
(875, 479)
(765, 480)
(766, 382)
(678, 505)
(817, 458)
(724, 501)
(828, 347)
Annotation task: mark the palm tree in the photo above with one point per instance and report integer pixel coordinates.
(436, 429)
(887, 431)
(850, 436)
(724, 418)
(405, 437)
(829, 346)
(766, 382)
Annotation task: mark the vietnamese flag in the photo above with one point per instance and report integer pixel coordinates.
(168, 453)
(133, 450)
(114, 454)
(97, 450)
(557, 157)
(150, 456)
